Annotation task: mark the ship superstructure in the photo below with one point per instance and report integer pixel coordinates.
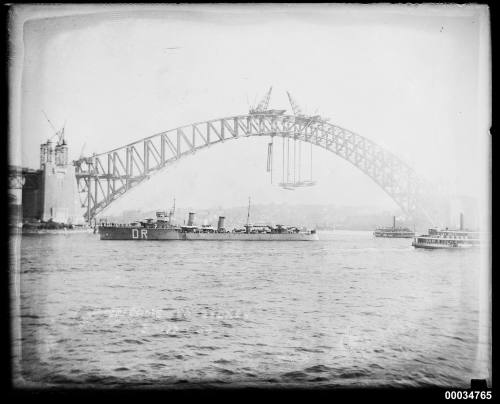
(163, 228)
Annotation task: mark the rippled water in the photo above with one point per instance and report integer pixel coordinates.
(348, 310)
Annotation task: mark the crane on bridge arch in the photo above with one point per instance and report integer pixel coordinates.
(105, 177)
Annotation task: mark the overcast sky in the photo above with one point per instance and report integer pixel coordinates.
(413, 79)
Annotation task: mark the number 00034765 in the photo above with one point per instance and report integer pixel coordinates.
(467, 395)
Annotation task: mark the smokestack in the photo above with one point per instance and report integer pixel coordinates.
(220, 224)
(191, 219)
(461, 221)
(394, 222)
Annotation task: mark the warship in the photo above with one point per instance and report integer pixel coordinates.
(163, 228)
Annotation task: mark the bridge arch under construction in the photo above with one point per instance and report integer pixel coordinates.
(105, 177)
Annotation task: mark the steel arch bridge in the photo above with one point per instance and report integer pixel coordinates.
(105, 177)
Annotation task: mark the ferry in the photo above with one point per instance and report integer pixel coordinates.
(394, 232)
(450, 239)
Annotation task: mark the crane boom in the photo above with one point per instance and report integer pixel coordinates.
(58, 133)
(83, 148)
(48, 120)
(295, 107)
(264, 103)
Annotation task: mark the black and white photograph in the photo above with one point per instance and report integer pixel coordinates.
(268, 196)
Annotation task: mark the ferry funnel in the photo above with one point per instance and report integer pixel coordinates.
(220, 224)
(394, 222)
(191, 219)
(461, 221)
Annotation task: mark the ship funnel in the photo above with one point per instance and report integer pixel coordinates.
(191, 219)
(461, 221)
(220, 224)
(394, 222)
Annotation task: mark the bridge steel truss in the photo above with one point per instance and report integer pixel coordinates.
(105, 177)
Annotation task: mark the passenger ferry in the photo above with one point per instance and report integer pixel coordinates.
(394, 232)
(446, 238)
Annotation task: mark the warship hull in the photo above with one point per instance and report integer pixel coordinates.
(143, 234)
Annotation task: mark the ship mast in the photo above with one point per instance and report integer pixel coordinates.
(171, 214)
(248, 213)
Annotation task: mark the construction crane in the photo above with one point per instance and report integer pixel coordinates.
(81, 151)
(297, 111)
(265, 101)
(295, 107)
(263, 106)
(59, 133)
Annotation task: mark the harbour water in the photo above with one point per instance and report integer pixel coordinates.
(348, 310)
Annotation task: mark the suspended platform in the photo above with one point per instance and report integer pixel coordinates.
(292, 185)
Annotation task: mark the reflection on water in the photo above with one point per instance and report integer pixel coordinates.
(347, 310)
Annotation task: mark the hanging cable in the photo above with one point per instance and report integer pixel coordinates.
(283, 172)
(294, 159)
(271, 158)
(300, 156)
(311, 162)
(269, 151)
(287, 159)
(269, 167)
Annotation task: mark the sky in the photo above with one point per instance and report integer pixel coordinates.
(414, 79)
